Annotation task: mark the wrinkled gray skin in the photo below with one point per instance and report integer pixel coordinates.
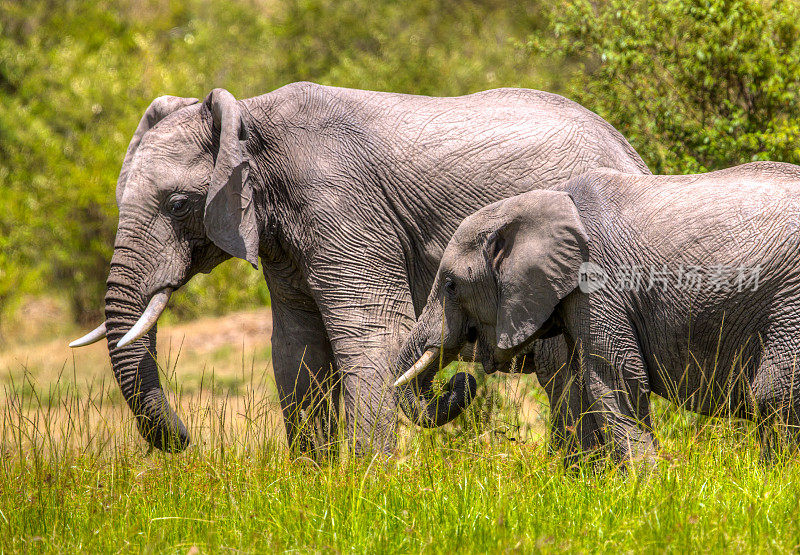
(348, 197)
(511, 273)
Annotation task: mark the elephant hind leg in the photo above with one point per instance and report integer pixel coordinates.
(311, 415)
(778, 436)
(779, 432)
(776, 398)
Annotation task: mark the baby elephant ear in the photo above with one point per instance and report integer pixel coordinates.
(535, 252)
(159, 108)
(230, 218)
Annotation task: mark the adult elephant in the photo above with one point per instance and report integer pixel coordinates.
(349, 198)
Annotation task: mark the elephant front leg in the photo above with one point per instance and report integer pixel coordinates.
(307, 381)
(366, 339)
(572, 428)
(609, 364)
(367, 308)
(370, 398)
(618, 392)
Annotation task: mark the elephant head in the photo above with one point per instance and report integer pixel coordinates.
(185, 205)
(499, 281)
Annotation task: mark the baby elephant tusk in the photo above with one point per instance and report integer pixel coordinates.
(92, 337)
(148, 319)
(418, 367)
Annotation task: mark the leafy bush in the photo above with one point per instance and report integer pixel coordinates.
(694, 85)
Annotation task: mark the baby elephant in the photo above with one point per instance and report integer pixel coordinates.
(685, 286)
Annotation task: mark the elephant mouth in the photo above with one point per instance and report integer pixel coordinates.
(492, 366)
(434, 358)
(490, 363)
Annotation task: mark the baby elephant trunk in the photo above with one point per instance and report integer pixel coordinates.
(416, 368)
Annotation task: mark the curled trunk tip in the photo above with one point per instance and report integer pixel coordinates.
(427, 410)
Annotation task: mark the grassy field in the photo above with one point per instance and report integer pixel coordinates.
(75, 475)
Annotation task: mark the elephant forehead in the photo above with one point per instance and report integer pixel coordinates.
(463, 246)
(466, 237)
(164, 165)
(147, 177)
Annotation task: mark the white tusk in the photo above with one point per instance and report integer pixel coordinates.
(92, 337)
(418, 367)
(148, 319)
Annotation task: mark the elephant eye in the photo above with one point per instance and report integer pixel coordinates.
(178, 205)
(449, 285)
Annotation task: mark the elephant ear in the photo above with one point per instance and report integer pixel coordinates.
(160, 108)
(535, 252)
(230, 218)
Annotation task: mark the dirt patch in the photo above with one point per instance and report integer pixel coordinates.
(251, 329)
(52, 359)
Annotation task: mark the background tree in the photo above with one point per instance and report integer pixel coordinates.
(695, 85)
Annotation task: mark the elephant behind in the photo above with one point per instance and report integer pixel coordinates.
(348, 198)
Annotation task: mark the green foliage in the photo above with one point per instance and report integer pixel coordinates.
(58, 146)
(233, 285)
(419, 47)
(695, 85)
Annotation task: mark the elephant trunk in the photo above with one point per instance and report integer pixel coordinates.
(135, 367)
(417, 399)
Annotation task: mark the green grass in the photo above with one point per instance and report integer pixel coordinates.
(75, 475)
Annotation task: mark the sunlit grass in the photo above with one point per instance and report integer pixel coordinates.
(75, 475)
